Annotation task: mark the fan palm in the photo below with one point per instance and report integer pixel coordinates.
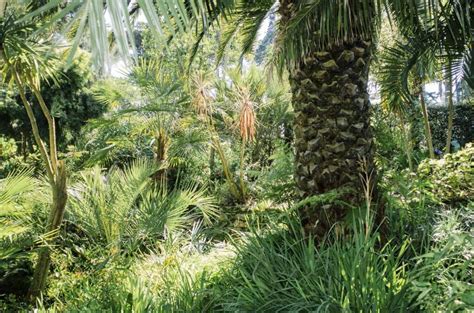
(122, 206)
(12, 213)
(327, 46)
(23, 64)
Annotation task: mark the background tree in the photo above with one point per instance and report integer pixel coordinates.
(69, 99)
(25, 64)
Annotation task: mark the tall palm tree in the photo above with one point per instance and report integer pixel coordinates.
(23, 64)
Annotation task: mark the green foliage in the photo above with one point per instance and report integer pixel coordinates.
(442, 279)
(276, 181)
(398, 138)
(135, 243)
(67, 96)
(14, 212)
(279, 271)
(451, 178)
(175, 278)
(22, 201)
(124, 210)
(463, 130)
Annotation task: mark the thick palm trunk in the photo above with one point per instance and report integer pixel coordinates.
(332, 129)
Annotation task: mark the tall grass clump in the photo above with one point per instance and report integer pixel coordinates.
(278, 270)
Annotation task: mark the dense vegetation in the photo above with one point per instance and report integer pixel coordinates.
(242, 156)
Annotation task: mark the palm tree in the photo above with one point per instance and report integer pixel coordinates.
(25, 64)
(326, 46)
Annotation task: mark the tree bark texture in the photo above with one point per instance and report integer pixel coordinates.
(332, 128)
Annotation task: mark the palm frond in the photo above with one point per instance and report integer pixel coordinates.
(101, 202)
(96, 20)
(14, 215)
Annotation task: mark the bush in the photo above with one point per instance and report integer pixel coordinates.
(442, 280)
(463, 127)
(452, 178)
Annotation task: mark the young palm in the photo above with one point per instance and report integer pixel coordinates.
(447, 40)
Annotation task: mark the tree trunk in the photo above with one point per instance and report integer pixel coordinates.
(332, 129)
(162, 142)
(55, 219)
(405, 128)
(450, 113)
(426, 122)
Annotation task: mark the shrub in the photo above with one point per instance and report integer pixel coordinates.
(442, 280)
(463, 128)
(452, 178)
(124, 210)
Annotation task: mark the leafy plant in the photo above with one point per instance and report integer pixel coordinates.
(14, 213)
(442, 279)
(124, 210)
(452, 178)
(278, 271)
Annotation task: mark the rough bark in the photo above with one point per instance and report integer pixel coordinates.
(332, 128)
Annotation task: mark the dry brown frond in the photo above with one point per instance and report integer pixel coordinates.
(200, 95)
(247, 116)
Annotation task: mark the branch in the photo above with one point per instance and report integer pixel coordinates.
(34, 126)
(51, 125)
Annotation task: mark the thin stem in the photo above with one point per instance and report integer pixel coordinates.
(407, 141)
(450, 113)
(50, 120)
(426, 121)
(29, 111)
(232, 185)
(241, 176)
